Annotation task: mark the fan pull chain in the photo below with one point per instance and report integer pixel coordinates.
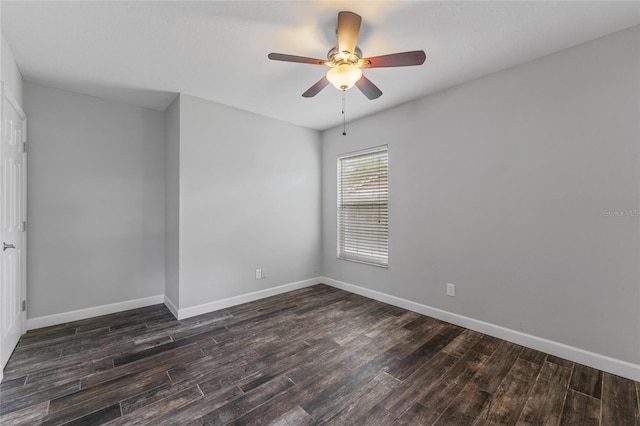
(344, 116)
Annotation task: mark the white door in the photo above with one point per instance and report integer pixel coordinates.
(13, 226)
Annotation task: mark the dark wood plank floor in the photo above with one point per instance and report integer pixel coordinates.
(312, 356)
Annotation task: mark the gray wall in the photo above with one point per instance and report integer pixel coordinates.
(500, 186)
(95, 202)
(172, 202)
(10, 73)
(249, 198)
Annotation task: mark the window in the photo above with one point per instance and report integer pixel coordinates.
(363, 206)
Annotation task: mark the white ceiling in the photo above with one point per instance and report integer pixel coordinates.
(144, 52)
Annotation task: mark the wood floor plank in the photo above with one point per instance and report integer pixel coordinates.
(417, 385)
(497, 366)
(84, 341)
(357, 326)
(256, 319)
(403, 368)
(533, 356)
(325, 401)
(316, 355)
(11, 384)
(439, 394)
(247, 402)
(418, 337)
(98, 417)
(387, 309)
(466, 407)
(50, 331)
(22, 352)
(200, 340)
(272, 367)
(19, 367)
(415, 340)
(47, 334)
(30, 415)
(216, 359)
(421, 322)
(392, 336)
(165, 392)
(42, 366)
(580, 409)
(357, 405)
(20, 401)
(85, 402)
(369, 348)
(382, 323)
(70, 372)
(512, 393)
(313, 333)
(486, 345)
(388, 322)
(619, 401)
(294, 417)
(377, 416)
(214, 381)
(303, 392)
(49, 389)
(348, 355)
(462, 343)
(544, 406)
(211, 367)
(417, 414)
(160, 362)
(560, 361)
(213, 326)
(587, 380)
(196, 410)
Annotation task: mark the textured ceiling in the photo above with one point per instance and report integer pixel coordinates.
(144, 52)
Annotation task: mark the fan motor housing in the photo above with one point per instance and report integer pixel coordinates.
(338, 58)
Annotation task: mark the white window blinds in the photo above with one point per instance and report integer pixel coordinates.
(363, 206)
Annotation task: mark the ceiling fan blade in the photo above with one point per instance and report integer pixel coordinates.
(403, 59)
(369, 89)
(348, 30)
(316, 88)
(293, 58)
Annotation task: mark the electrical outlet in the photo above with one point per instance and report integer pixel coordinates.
(263, 273)
(451, 289)
(258, 274)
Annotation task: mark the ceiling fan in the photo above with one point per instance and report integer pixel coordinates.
(347, 63)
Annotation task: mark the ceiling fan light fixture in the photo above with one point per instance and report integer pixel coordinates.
(346, 60)
(344, 76)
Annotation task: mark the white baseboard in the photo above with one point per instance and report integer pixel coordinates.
(80, 314)
(95, 311)
(204, 308)
(581, 356)
(171, 306)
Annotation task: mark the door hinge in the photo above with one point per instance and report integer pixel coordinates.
(24, 146)
(24, 226)
(24, 305)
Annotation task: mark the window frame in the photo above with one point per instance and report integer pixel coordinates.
(342, 252)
